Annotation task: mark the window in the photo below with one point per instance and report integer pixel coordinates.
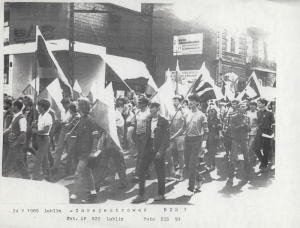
(233, 43)
(260, 82)
(6, 70)
(249, 49)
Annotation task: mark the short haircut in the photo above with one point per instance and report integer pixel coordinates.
(143, 100)
(65, 101)
(237, 101)
(30, 99)
(84, 104)
(74, 106)
(8, 101)
(241, 105)
(44, 103)
(186, 102)
(194, 97)
(154, 105)
(18, 103)
(272, 103)
(263, 101)
(253, 103)
(178, 97)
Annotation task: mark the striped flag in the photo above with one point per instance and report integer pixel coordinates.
(251, 90)
(205, 87)
(48, 66)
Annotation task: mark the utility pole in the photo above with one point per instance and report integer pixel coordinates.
(71, 44)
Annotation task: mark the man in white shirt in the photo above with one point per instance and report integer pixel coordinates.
(252, 114)
(43, 128)
(17, 138)
(62, 135)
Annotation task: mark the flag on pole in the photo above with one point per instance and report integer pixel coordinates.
(178, 80)
(251, 89)
(104, 113)
(228, 93)
(48, 66)
(77, 91)
(53, 92)
(151, 87)
(204, 86)
(164, 97)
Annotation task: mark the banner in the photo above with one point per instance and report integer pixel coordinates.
(188, 44)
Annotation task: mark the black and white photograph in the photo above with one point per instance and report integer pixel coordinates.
(158, 113)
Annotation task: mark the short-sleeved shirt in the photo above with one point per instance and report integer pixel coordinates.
(253, 122)
(43, 121)
(177, 122)
(141, 120)
(195, 123)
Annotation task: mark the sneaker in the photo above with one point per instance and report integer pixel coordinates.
(92, 198)
(138, 199)
(159, 198)
(198, 184)
(179, 179)
(188, 193)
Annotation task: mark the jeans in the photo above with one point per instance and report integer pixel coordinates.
(60, 147)
(71, 154)
(192, 149)
(265, 143)
(141, 142)
(84, 175)
(41, 158)
(251, 149)
(234, 156)
(212, 150)
(15, 156)
(100, 171)
(159, 164)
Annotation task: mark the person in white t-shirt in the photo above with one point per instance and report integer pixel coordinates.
(252, 114)
(43, 129)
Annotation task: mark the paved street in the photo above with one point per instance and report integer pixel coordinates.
(214, 188)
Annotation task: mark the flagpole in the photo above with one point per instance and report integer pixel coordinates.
(35, 75)
(22, 91)
(192, 86)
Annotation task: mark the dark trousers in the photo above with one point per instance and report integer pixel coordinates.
(140, 142)
(41, 158)
(159, 164)
(101, 170)
(5, 151)
(227, 144)
(265, 143)
(192, 149)
(212, 150)
(15, 156)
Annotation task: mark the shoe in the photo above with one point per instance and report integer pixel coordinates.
(188, 193)
(97, 189)
(135, 180)
(122, 186)
(179, 179)
(92, 198)
(198, 184)
(138, 199)
(229, 182)
(48, 179)
(159, 198)
(263, 170)
(54, 170)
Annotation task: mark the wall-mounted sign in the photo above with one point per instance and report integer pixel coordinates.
(187, 76)
(188, 44)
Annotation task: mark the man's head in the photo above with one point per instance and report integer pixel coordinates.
(7, 103)
(235, 103)
(273, 105)
(262, 103)
(73, 107)
(28, 100)
(154, 108)
(17, 106)
(65, 103)
(194, 100)
(84, 105)
(43, 105)
(241, 108)
(120, 102)
(143, 102)
(253, 106)
(212, 110)
(177, 99)
(185, 103)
